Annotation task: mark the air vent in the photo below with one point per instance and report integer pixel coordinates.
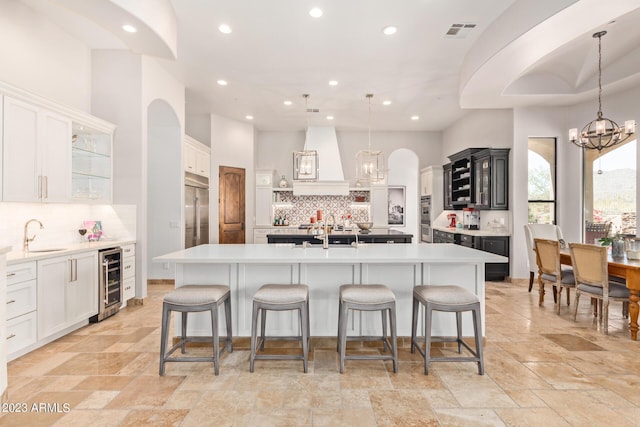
(313, 110)
(459, 31)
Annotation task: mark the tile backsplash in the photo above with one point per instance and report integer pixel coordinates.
(61, 222)
(299, 209)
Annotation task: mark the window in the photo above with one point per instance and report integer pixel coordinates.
(542, 180)
(610, 187)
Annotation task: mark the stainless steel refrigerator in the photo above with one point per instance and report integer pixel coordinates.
(196, 210)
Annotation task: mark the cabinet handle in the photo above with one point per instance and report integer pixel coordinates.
(11, 274)
(390, 241)
(11, 336)
(11, 301)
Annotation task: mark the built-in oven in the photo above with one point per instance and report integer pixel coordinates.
(109, 283)
(426, 234)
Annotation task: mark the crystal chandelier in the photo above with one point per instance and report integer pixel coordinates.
(602, 132)
(305, 162)
(370, 163)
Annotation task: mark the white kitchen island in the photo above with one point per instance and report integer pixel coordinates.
(399, 266)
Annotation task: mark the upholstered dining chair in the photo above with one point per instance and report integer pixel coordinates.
(538, 231)
(550, 270)
(590, 266)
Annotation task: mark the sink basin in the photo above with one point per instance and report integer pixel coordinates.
(46, 250)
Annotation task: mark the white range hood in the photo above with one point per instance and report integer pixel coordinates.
(330, 175)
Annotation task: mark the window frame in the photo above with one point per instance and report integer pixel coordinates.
(554, 179)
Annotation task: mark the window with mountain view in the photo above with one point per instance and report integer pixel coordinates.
(611, 194)
(542, 180)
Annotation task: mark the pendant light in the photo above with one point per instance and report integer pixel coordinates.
(602, 132)
(370, 163)
(305, 162)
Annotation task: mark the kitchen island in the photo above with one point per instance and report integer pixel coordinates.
(298, 237)
(399, 266)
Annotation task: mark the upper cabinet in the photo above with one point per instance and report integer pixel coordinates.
(477, 177)
(197, 157)
(36, 154)
(51, 153)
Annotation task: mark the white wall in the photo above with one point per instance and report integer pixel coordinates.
(232, 144)
(42, 58)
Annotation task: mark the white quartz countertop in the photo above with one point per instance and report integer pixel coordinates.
(380, 254)
(486, 232)
(17, 257)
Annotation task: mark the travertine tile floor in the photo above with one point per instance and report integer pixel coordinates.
(541, 369)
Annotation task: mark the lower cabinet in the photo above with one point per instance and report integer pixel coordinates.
(67, 291)
(21, 308)
(128, 273)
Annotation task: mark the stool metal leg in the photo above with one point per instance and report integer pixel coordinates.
(384, 330)
(427, 337)
(216, 338)
(166, 319)
(254, 331)
(227, 313)
(478, 337)
(184, 332)
(342, 334)
(339, 324)
(263, 324)
(414, 324)
(459, 330)
(304, 326)
(394, 338)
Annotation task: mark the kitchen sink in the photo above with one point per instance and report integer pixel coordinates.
(35, 251)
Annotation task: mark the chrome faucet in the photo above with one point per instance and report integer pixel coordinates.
(26, 239)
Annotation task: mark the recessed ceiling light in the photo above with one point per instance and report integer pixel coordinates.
(387, 102)
(333, 83)
(129, 28)
(224, 29)
(222, 82)
(248, 117)
(389, 30)
(287, 102)
(329, 117)
(415, 117)
(315, 12)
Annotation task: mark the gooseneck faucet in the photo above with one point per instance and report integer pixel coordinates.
(26, 239)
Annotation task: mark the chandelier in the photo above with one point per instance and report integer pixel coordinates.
(602, 132)
(370, 163)
(305, 162)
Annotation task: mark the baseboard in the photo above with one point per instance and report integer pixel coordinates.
(151, 282)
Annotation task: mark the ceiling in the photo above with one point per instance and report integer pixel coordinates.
(520, 52)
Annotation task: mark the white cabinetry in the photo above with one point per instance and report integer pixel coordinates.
(36, 153)
(67, 291)
(21, 308)
(264, 198)
(431, 181)
(197, 157)
(91, 163)
(260, 235)
(128, 273)
(379, 205)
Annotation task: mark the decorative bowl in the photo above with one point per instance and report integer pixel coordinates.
(365, 227)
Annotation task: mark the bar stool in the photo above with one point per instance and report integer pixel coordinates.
(367, 298)
(189, 299)
(280, 298)
(448, 298)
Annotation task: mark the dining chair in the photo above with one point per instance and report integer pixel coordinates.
(590, 266)
(550, 270)
(538, 231)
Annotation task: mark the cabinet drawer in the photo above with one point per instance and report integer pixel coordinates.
(128, 288)
(466, 240)
(129, 267)
(21, 332)
(21, 298)
(21, 272)
(128, 250)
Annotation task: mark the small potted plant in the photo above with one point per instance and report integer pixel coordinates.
(617, 245)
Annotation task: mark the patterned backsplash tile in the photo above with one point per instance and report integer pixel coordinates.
(299, 209)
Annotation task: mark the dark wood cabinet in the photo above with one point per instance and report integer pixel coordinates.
(339, 239)
(492, 179)
(478, 178)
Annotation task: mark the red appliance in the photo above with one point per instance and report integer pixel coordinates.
(452, 220)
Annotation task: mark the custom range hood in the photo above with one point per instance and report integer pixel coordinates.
(323, 140)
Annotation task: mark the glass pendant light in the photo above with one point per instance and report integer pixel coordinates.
(370, 163)
(305, 162)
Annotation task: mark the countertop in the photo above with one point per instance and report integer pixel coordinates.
(17, 257)
(400, 253)
(485, 232)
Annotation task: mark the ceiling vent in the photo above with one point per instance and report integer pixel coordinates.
(459, 31)
(313, 110)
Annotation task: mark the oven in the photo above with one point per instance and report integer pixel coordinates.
(109, 283)
(426, 234)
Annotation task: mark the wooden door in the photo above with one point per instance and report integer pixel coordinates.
(231, 205)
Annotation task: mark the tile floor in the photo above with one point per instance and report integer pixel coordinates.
(541, 369)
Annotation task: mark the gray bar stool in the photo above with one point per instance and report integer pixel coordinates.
(447, 298)
(280, 298)
(194, 298)
(367, 298)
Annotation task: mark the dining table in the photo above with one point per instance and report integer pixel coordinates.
(626, 268)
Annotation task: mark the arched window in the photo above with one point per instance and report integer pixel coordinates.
(542, 180)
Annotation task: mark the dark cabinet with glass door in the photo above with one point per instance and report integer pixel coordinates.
(447, 186)
(491, 168)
